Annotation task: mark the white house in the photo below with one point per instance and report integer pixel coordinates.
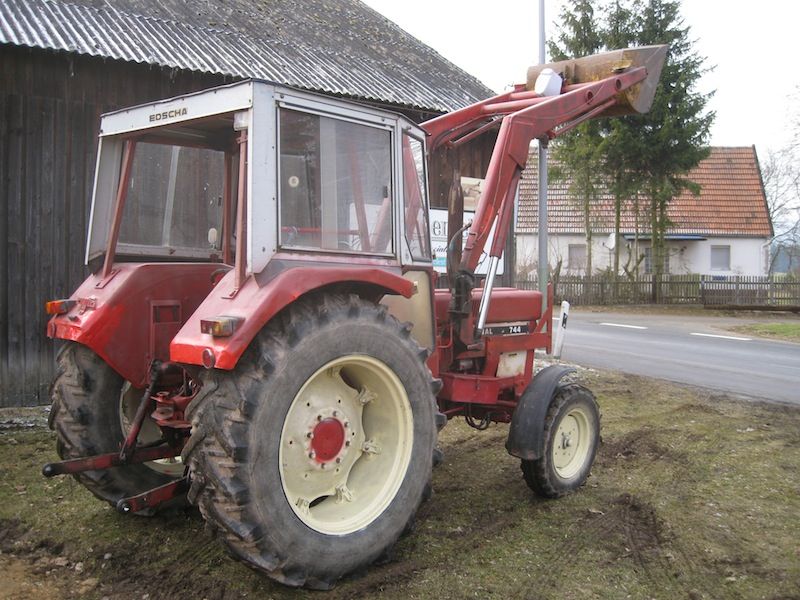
(724, 230)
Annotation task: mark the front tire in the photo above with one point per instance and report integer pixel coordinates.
(310, 459)
(571, 437)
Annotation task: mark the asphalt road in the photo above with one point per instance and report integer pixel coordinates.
(696, 350)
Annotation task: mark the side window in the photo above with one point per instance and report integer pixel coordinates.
(335, 184)
(415, 199)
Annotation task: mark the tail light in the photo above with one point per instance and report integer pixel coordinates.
(59, 307)
(220, 326)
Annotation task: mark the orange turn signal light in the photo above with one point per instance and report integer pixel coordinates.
(59, 307)
(220, 326)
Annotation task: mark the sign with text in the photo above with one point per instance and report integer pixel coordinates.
(439, 237)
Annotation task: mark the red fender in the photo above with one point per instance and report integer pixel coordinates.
(256, 305)
(130, 317)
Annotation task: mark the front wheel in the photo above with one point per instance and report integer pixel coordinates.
(311, 458)
(571, 436)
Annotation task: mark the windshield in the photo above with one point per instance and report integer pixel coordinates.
(175, 197)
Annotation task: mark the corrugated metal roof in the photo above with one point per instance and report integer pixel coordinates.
(356, 53)
(731, 201)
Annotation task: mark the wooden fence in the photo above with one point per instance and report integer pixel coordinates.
(758, 292)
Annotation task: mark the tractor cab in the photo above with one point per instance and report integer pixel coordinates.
(202, 201)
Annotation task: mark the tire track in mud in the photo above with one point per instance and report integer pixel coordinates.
(629, 528)
(189, 568)
(489, 526)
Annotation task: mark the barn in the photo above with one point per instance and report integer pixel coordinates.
(65, 63)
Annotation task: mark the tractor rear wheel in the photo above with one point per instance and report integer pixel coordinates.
(571, 436)
(310, 459)
(91, 412)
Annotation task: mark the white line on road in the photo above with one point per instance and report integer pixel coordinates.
(722, 337)
(625, 326)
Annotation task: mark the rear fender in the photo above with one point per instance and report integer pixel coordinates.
(256, 304)
(526, 434)
(129, 317)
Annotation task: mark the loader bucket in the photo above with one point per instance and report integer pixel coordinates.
(636, 99)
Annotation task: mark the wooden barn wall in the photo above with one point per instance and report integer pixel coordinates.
(50, 104)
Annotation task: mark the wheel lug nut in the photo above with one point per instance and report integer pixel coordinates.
(312, 454)
(310, 435)
(338, 460)
(347, 443)
(336, 413)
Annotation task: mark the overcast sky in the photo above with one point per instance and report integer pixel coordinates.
(752, 45)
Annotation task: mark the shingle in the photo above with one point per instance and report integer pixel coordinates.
(731, 202)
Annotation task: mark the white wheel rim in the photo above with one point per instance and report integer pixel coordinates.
(346, 444)
(129, 399)
(572, 443)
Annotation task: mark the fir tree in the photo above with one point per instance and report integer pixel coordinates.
(654, 152)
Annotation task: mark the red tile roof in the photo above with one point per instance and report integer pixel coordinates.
(731, 201)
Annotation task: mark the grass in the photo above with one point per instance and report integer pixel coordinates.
(779, 331)
(693, 495)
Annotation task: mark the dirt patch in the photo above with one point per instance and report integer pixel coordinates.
(377, 580)
(639, 444)
(36, 568)
(21, 582)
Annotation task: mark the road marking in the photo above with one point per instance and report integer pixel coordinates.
(722, 337)
(625, 326)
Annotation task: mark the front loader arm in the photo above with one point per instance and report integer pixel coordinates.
(525, 116)
(538, 120)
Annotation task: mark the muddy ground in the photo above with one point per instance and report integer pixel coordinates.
(694, 495)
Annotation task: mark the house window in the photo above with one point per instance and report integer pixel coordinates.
(720, 258)
(648, 261)
(576, 258)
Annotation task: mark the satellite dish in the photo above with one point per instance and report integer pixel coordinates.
(612, 241)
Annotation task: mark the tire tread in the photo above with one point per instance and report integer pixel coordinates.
(220, 416)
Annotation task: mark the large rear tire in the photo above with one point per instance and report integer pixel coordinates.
(571, 436)
(91, 406)
(310, 459)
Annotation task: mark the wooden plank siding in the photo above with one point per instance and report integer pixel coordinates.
(50, 107)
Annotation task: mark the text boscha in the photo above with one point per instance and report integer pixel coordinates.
(168, 114)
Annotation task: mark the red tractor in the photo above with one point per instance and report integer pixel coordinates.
(262, 336)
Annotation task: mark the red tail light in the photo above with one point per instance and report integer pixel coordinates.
(58, 307)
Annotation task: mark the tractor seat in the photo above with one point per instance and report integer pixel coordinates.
(507, 305)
